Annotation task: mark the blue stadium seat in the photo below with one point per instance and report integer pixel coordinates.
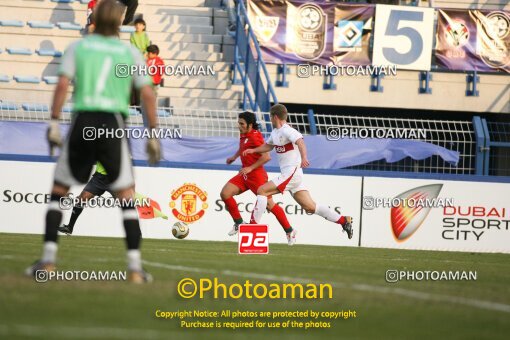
(68, 108)
(41, 24)
(48, 53)
(13, 23)
(127, 29)
(63, 1)
(4, 78)
(50, 80)
(27, 79)
(19, 50)
(35, 107)
(163, 113)
(133, 111)
(8, 106)
(69, 26)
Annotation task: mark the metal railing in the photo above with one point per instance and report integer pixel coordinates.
(484, 146)
(453, 135)
(249, 67)
(466, 137)
(497, 148)
(192, 122)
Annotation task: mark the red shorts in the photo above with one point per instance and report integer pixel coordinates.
(252, 181)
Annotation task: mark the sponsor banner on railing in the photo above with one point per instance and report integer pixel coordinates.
(188, 195)
(318, 32)
(435, 215)
(469, 40)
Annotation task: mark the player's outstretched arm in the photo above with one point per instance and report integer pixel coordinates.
(259, 149)
(302, 150)
(150, 121)
(232, 159)
(263, 159)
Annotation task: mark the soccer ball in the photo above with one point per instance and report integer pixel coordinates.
(180, 230)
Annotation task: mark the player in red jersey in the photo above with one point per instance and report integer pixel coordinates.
(252, 175)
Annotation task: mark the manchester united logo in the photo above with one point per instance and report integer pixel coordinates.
(193, 202)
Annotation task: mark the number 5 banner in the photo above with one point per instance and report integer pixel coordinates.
(403, 37)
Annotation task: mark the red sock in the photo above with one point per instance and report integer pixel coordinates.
(281, 217)
(232, 208)
(342, 220)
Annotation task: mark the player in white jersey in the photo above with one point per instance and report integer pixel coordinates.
(292, 158)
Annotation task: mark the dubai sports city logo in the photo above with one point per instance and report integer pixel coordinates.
(406, 219)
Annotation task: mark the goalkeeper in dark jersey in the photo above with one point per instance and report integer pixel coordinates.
(96, 186)
(99, 66)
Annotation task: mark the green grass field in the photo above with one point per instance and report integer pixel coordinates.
(119, 310)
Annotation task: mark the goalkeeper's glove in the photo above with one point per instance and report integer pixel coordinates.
(53, 135)
(153, 151)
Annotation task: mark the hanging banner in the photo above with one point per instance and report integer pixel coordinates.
(468, 40)
(318, 32)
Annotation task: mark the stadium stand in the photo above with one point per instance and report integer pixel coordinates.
(186, 31)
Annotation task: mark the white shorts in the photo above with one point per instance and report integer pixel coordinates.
(290, 181)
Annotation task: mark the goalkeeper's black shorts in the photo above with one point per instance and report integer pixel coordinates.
(98, 184)
(93, 137)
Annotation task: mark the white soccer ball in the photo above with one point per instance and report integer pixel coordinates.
(180, 230)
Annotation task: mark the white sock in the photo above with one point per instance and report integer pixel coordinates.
(49, 254)
(327, 213)
(260, 208)
(134, 258)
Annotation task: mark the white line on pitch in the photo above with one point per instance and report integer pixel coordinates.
(495, 306)
(83, 332)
